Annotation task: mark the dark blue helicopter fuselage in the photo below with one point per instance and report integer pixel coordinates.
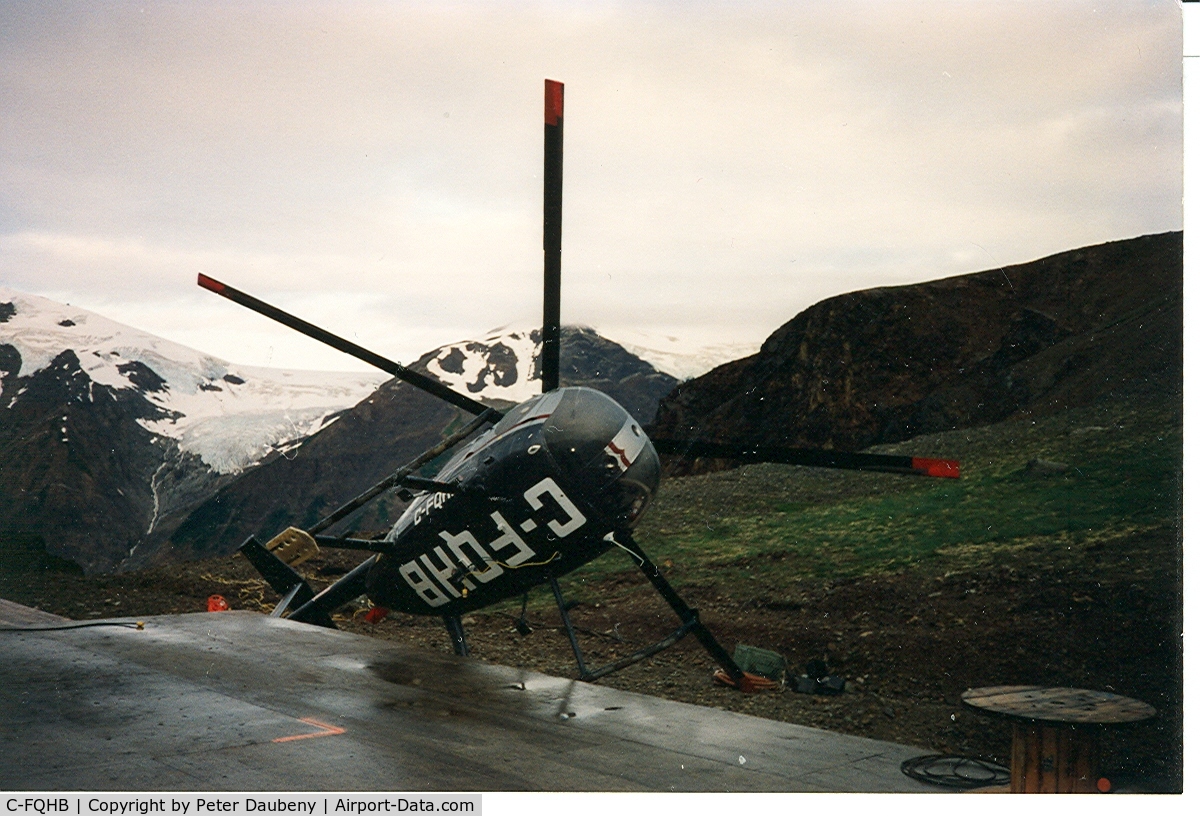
(536, 496)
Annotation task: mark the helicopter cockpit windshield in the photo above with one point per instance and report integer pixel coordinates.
(590, 434)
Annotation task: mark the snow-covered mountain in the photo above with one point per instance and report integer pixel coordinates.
(230, 416)
(106, 430)
(506, 365)
(119, 448)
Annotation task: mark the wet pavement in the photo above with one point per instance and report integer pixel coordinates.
(238, 701)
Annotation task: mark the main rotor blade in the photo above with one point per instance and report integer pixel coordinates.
(426, 384)
(812, 457)
(552, 235)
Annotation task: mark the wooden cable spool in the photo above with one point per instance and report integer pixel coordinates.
(1054, 732)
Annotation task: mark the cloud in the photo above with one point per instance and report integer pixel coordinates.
(725, 168)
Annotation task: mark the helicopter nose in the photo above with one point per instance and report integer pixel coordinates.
(590, 435)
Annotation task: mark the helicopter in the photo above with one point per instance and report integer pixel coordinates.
(532, 494)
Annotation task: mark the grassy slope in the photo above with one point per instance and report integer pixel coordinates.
(1124, 476)
(931, 586)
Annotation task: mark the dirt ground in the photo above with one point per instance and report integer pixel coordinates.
(925, 639)
(908, 643)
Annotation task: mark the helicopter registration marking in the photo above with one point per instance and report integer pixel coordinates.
(439, 576)
(433, 501)
(547, 486)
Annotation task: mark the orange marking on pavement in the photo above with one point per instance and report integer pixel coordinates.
(328, 731)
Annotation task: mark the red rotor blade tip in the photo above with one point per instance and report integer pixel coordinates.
(210, 284)
(554, 102)
(945, 468)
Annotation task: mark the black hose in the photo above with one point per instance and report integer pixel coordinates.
(79, 625)
(958, 772)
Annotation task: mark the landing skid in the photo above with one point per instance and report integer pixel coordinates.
(308, 607)
(690, 623)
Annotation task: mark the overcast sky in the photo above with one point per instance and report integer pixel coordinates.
(376, 167)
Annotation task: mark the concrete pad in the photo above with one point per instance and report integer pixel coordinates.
(12, 614)
(237, 701)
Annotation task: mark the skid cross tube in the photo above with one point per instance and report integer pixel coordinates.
(584, 674)
(690, 622)
(588, 675)
(286, 602)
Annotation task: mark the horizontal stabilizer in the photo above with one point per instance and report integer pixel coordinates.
(293, 547)
(812, 457)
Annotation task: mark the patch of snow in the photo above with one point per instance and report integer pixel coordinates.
(154, 492)
(232, 442)
(679, 357)
(676, 356)
(478, 370)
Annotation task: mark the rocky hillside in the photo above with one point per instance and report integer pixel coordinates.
(75, 464)
(888, 364)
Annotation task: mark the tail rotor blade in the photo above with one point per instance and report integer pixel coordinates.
(552, 235)
(426, 384)
(812, 457)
